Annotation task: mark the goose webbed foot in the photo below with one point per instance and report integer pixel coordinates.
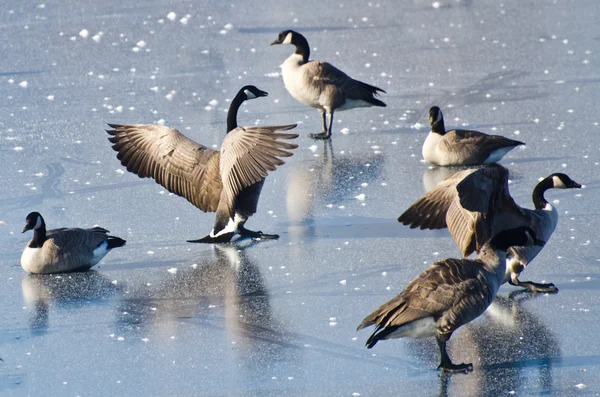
(322, 135)
(223, 238)
(446, 364)
(256, 235)
(538, 287)
(450, 368)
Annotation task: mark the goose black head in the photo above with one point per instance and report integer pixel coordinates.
(33, 221)
(251, 92)
(562, 181)
(435, 115)
(286, 37)
(517, 237)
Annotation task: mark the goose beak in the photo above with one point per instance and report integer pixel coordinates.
(575, 185)
(276, 42)
(25, 229)
(263, 93)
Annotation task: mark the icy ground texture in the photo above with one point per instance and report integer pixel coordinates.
(161, 317)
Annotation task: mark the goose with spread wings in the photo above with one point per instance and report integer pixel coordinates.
(227, 182)
(321, 85)
(475, 203)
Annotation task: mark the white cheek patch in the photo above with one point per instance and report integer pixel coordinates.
(439, 116)
(38, 223)
(558, 183)
(288, 39)
(249, 94)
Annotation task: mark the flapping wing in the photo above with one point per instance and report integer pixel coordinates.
(429, 212)
(181, 165)
(248, 154)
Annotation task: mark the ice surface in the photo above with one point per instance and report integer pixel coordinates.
(279, 317)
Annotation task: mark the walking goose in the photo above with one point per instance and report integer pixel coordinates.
(228, 182)
(449, 294)
(321, 85)
(66, 249)
(462, 147)
(472, 202)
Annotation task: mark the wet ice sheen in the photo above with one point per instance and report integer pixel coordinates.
(279, 318)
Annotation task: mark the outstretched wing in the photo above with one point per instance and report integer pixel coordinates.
(248, 154)
(429, 212)
(181, 165)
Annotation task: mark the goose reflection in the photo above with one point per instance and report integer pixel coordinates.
(509, 340)
(225, 291)
(42, 292)
(332, 178)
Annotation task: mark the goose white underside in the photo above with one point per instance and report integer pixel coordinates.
(232, 226)
(99, 253)
(28, 259)
(497, 155)
(422, 328)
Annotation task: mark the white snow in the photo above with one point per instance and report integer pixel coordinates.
(171, 16)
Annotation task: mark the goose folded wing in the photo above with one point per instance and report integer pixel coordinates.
(182, 166)
(326, 73)
(248, 154)
(74, 246)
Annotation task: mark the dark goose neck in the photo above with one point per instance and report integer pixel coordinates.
(438, 127)
(539, 201)
(233, 110)
(302, 47)
(39, 237)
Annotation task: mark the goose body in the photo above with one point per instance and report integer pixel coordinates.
(66, 249)
(446, 296)
(227, 182)
(475, 203)
(321, 85)
(462, 147)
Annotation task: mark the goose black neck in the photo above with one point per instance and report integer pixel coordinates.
(438, 127)
(539, 201)
(302, 47)
(233, 111)
(39, 237)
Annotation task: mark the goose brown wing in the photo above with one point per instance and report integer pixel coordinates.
(248, 154)
(324, 73)
(477, 144)
(73, 247)
(181, 165)
(429, 212)
(432, 293)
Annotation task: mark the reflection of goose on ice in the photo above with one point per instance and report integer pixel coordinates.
(331, 179)
(42, 292)
(224, 291)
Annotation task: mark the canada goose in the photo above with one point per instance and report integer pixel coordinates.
(321, 85)
(228, 182)
(65, 249)
(462, 147)
(449, 294)
(471, 203)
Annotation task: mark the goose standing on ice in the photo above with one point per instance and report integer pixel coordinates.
(462, 147)
(474, 203)
(228, 182)
(321, 85)
(446, 296)
(64, 250)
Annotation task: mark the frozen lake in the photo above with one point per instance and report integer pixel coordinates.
(161, 317)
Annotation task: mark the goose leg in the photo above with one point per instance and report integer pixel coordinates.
(446, 364)
(534, 287)
(326, 134)
(250, 233)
